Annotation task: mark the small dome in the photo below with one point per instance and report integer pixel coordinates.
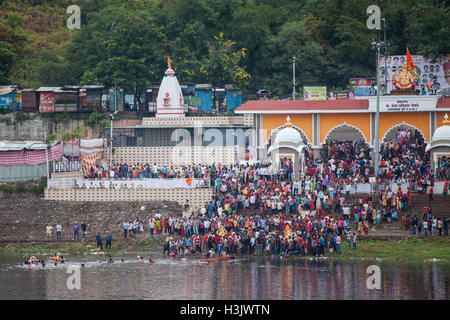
(443, 132)
(288, 135)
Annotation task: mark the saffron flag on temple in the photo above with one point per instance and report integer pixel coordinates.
(409, 60)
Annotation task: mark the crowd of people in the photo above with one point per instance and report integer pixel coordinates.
(147, 171)
(257, 211)
(405, 158)
(237, 234)
(429, 223)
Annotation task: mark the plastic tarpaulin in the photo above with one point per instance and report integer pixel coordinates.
(88, 161)
(91, 146)
(363, 188)
(30, 157)
(71, 148)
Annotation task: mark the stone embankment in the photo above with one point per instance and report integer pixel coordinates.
(25, 219)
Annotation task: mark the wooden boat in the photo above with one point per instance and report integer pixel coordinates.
(216, 259)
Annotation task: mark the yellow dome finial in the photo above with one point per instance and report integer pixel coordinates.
(288, 123)
(446, 122)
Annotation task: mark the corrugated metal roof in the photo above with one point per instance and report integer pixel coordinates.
(22, 145)
(46, 89)
(92, 87)
(6, 89)
(64, 91)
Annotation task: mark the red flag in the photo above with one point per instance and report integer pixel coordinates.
(409, 60)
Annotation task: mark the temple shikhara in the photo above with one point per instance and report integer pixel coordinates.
(170, 101)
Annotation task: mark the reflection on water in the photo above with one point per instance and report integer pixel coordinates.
(243, 279)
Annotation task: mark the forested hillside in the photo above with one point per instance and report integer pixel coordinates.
(249, 43)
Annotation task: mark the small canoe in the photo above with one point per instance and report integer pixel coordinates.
(216, 259)
(289, 253)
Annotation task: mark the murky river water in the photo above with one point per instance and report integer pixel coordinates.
(243, 279)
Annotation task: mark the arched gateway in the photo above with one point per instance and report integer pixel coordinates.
(345, 132)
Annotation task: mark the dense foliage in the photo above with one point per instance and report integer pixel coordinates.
(249, 43)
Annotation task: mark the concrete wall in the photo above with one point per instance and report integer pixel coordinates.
(33, 130)
(197, 197)
(245, 120)
(173, 156)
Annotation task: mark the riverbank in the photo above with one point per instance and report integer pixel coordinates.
(25, 219)
(420, 249)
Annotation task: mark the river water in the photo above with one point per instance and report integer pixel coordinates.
(243, 279)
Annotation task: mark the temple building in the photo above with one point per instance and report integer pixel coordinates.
(171, 138)
(321, 121)
(289, 143)
(439, 146)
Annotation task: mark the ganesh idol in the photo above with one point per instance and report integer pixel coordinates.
(404, 78)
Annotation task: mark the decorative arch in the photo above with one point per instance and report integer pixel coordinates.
(345, 124)
(274, 133)
(401, 124)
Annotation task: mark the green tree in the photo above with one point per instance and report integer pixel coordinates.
(133, 55)
(97, 118)
(12, 39)
(222, 64)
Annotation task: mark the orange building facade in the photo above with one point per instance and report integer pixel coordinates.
(320, 121)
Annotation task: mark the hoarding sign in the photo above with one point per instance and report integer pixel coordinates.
(315, 92)
(7, 101)
(431, 72)
(402, 105)
(47, 102)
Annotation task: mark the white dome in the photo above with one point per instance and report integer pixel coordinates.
(170, 102)
(441, 133)
(288, 135)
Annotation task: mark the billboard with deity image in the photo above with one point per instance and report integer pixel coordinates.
(434, 73)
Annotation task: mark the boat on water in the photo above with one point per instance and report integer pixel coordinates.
(287, 254)
(216, 259)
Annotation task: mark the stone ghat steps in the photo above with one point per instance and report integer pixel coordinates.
(440, 206)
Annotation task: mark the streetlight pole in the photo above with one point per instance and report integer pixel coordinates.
(293, 78)
(377, 45)
(111, 117)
